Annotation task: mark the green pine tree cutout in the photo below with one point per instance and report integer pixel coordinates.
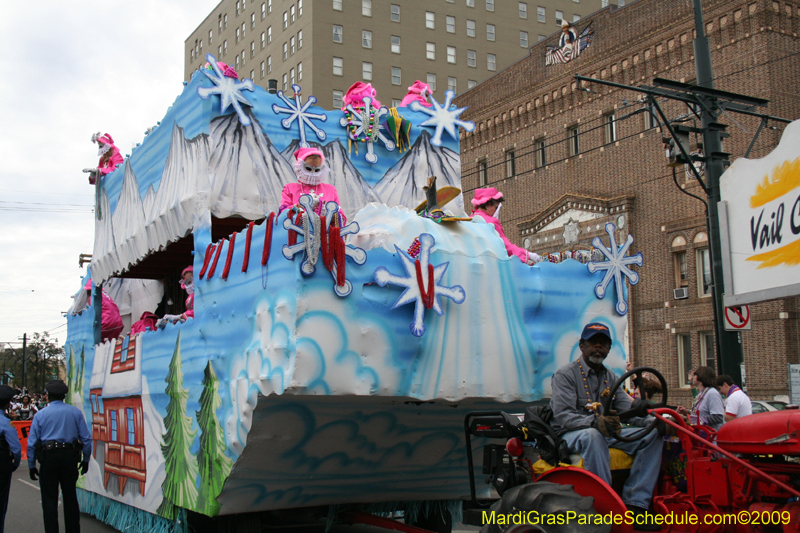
(215, 466)
(75, 379)
(179, 487)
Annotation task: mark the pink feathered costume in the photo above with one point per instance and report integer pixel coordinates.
(105, 144)
(356, 93)
(418, 92)
(308, 183)
(111, 321)
(481, 197)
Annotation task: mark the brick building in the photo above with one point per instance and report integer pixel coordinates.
(569, 159)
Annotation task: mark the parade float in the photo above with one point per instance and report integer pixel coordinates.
(330, 359)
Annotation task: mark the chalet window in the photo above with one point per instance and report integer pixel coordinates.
(93, 399)
(131, 427)
(100, 406)
(123, 356)
(113, 415)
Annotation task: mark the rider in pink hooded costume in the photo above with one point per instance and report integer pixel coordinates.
(311, 171)
(485, 204)
(108, 152)
(418, 92)
(111, 321)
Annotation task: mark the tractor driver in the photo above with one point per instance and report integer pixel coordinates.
(578, 387)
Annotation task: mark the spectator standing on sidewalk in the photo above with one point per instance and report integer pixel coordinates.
(10, 452)
(737, 403)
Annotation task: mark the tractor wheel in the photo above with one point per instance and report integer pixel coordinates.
(543, 506)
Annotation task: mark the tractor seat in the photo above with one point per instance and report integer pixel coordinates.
(619, 461)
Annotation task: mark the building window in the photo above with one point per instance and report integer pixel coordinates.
(708, 355)
(292, 45)
(679, 263)
(224, 47)
(292, 15)
(366, 71)
(219, 25)
(603, 3)
(430, 22)
(684, 359)
(470, 3)
(559, 17)
(431, 80)
(299, 72)
(284, 82)
(285, 20)
(292, 80)
(540, 14)
(430, 51)
(263, 69)
(396, 103)
(472, 58)
(114, 428)
(269, 34)
(573, 141)
(395, 44)
(541, 155)
(396, 76)
(490, 32)
(252, 49)
(649, 118)
(219, 51)
(300, 39)
(242, 57)
(703, 268)
(491, 62)
(511, 164)
(252, 21)
(523, 10)
(471, 84)
(285, 51)
(451, 24)
(269, 6)
(482, 173)
(131, 426)
(238, 35)
(238, 8)
(489, 5)
(451, 54)
(366, 8)
(452, 84)
(263, 10)
(337, 33)
(470, 28)
(542, 37)
(338, 66)
(243, 29)
(523, 39)
(337, 95)
(225, 22)
(395, 13)
(263, 40)
(576, 18)
(610, 127)
(299, 8)
(269, 64)
(210, 36)
(337, 6)
(366, 39)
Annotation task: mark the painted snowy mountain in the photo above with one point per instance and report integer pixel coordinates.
(248, 171)
(354, 191)
(402, 184)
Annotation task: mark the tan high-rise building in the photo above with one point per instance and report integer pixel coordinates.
(326, 45)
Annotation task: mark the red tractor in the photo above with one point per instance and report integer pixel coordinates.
(745, 477)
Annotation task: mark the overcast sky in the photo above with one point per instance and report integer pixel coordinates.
(71, 69)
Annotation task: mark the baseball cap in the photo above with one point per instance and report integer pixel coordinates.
(595, 328)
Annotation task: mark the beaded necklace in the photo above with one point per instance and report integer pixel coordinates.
(590, 401)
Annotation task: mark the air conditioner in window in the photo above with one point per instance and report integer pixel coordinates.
(680, 294)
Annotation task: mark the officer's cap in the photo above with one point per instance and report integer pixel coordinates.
(57, 387)
(6, 393)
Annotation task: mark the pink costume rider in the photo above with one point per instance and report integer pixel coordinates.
(485, 205)
(187, 284)
(418, 92)
(310, 176)
(108, 152)
(357, 92)
(111, 322)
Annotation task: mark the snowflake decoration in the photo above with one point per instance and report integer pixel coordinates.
(616, 267)
(309, 247)
(367, 122)
(228, 89)
(443, 118)
(413, 292)
(299, 112)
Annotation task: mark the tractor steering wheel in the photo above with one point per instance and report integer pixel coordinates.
(639, 382)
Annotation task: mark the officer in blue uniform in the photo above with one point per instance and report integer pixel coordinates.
(57, 438)
(10, 452)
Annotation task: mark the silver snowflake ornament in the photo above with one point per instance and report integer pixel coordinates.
(415, 270)
(309, 247)
(616, 266)
(443, 118)
(367, 122)
(228, 89)
(298, 111)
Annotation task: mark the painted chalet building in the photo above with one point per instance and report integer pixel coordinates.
(115, 394)
(571, 158)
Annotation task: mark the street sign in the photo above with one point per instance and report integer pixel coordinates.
(737, 318)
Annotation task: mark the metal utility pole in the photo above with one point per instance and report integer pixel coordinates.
(24, 358)
(711, 103)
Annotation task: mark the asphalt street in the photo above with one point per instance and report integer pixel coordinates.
(25, 508)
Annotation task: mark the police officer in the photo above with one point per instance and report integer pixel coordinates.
(57, 437)
(10, 452)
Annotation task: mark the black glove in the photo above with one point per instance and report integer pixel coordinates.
(34, 472)
(639, 408)
(84, 468)
(608, 425)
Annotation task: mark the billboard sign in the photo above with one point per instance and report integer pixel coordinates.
(760, 224)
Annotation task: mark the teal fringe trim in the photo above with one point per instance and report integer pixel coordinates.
(127, 518)
(409, 509)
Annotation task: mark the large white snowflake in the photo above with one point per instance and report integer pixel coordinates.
(443, 118)
(414, 292)
(616, 267)
(299, 111)
(228, 89)
(360, 121)
(310, 245)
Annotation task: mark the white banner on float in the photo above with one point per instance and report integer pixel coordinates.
(760, 224)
